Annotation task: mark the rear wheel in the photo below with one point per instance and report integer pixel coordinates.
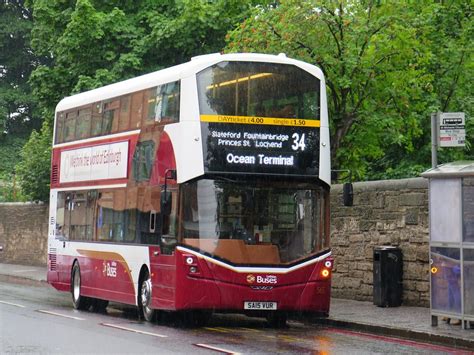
(79, 302)
(144, 298)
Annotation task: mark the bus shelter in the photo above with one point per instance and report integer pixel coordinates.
(451, 210)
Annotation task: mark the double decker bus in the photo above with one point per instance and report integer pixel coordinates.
(199, 188)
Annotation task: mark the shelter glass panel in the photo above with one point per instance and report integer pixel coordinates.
(468, 276)
(446, 279)
(468, 210)
(445, 210)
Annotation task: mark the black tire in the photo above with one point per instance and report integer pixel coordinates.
(78, 301)
(277, 319)
(144, 298)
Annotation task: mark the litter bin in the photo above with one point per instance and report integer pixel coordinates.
(388, 272)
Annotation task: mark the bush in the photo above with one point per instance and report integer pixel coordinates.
(33, 171)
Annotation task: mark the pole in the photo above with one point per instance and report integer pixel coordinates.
(434, 139)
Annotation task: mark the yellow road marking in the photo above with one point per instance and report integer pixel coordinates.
(218, 329)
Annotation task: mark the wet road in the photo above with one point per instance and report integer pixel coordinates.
(34, 318)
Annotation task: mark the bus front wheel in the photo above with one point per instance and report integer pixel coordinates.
(144, 301)
(79, 302)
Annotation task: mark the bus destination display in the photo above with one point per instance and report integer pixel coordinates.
(261, 148)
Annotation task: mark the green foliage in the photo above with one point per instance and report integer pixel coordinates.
(10, 148)
(33, 170)
(17, 106)
(9, 189)
(18, 115)
(387, 68)
(94, 43)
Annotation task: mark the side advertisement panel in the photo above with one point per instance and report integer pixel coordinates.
(101, 162)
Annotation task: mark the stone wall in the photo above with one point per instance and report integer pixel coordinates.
(392, 212)
(24, 233)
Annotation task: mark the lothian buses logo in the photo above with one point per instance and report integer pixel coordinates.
(110, 269)
(267, 279)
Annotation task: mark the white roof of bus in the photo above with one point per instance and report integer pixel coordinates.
(170, 74)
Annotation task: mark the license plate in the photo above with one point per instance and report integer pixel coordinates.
(260, 305)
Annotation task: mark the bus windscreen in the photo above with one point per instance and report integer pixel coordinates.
(252, 223)
(260, 118)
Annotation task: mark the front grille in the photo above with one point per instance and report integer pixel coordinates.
(264, 288)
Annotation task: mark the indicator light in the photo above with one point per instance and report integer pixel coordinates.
(325, 273)
(434, 270)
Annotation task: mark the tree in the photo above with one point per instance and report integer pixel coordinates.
(376, 60)
(33, 169)
(18, 114)
(446, 29)
(93, 43)
(16, 63)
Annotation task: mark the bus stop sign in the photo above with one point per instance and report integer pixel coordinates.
(452, 132)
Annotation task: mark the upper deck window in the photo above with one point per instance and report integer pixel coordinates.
(163, 103)
(258, 89)
(158, 105)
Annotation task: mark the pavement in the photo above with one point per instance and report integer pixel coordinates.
(413, 323)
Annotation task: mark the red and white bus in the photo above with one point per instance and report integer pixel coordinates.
(199, 188)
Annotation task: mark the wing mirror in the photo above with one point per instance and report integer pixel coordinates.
(347, 187)
(348, 194)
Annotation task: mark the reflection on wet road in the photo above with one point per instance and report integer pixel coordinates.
(52, 326)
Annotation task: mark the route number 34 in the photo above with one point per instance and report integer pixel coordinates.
(298, 141)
